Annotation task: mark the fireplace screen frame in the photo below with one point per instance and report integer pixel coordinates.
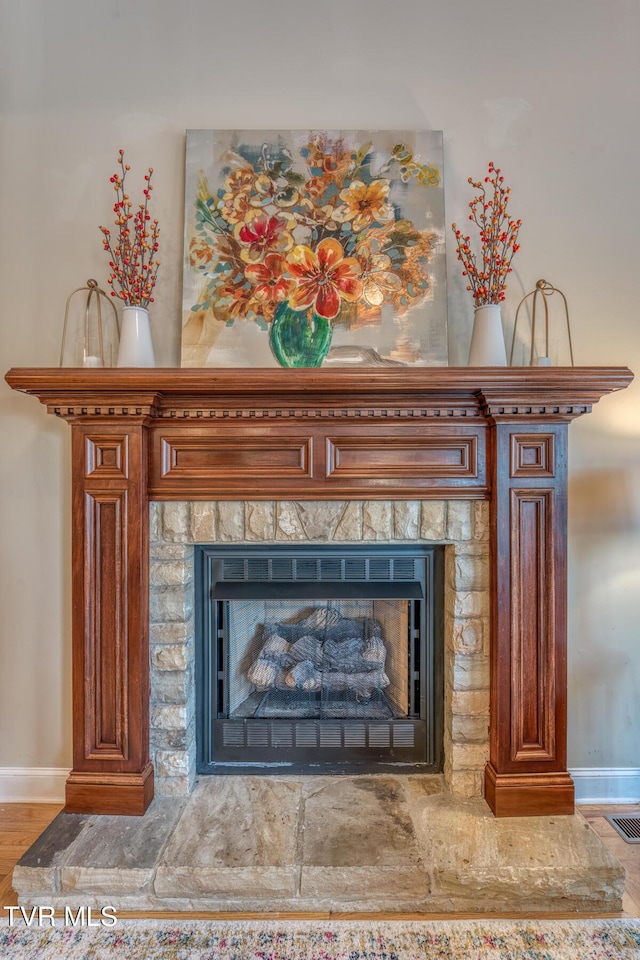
(227, 745)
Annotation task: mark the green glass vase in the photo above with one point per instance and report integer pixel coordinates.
(299, 338)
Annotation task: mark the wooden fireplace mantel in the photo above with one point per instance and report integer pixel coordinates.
(498, 434)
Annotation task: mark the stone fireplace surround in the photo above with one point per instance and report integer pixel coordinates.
(463, 448)
(462, 524)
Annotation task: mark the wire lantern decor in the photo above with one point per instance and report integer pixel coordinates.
(543, 291)
(91, 339)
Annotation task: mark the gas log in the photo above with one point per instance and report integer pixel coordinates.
(323, 651)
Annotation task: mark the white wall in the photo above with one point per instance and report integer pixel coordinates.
(548, 90)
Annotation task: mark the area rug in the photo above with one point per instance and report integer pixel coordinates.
(327, 940)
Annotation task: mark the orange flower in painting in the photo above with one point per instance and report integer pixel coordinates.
(364, 203)
(332, 157)
(234, 302)
(325, 277)
(200, 252)
(271, 283)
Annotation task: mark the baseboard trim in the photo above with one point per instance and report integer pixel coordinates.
(607, 784)
(32, 784)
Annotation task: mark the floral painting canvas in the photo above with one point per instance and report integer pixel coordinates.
(314, 248)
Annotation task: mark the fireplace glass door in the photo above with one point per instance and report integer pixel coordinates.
(318, 659)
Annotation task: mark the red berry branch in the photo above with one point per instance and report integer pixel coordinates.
(132, 248)
(498, 234)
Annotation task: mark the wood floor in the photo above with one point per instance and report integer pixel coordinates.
(22, 823)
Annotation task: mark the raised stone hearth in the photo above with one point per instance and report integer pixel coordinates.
(330, 844)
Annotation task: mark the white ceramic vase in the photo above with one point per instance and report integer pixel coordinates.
(136, 346)
(487, 341)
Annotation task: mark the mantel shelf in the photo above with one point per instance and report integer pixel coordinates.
(586, 383)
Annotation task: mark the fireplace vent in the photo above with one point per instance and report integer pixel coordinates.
(319, 657)
(314, 569)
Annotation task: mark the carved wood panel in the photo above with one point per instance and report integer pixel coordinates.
(533, 669)
(239, 460)
(106, 737)
(358, 457)
(210, 459)
(532, 455)
(106, 457)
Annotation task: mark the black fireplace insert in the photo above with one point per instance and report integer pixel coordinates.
(319, 658)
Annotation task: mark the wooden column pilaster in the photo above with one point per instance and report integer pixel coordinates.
(110, 635)
(526, 774)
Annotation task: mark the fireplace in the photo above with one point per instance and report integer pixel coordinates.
(454, 532)
(493, 438)
(319, 658)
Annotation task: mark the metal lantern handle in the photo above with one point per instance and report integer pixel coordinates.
(544, 289)
(93, 290)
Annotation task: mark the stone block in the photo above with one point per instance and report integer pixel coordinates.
(119, 854)
(467, 603)
(470, 703)
(376, 882)
(106, 880)
(480, 519)
(172, 686)
(175, 521)
(468, 673)
(516, 860)
(182, 552)
(434, 520)
(319, 519)
(170, 740)
(469, 756)
(34, 880)
(168, 716)
(170, 604)
(175, 632)
(377, 520)
(470, 729)
(171, 763)
(202, 521)
(359, 841)
(467, 571)
(230, 521)
(260, 520)
(406, 519)
(288, 526)
(170, 573)
(169, 656)
(465, 784)
(183, 738)
(251, 853)
(466, 636)
(459, 520)
(37, 871)
(350, 524)
(155, 521)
